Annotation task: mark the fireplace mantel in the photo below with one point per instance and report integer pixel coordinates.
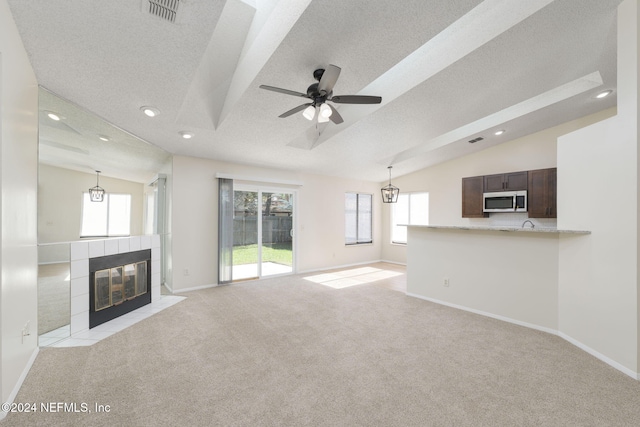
(81, 252)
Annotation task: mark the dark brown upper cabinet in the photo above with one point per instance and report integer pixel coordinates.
(505, 182)
(472, 189)
(542, 193)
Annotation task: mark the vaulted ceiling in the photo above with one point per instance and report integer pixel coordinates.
(448, 71)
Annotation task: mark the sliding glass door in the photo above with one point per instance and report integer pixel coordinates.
(262, 232)
(245, 235)
(277, 233)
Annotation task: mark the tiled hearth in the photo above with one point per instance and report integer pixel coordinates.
(60, 337)
(78, 330)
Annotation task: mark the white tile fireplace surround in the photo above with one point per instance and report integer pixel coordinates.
(81, 252)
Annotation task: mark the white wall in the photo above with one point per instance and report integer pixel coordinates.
(319, 219)
(598, 276)
(60, 202)
(18, 180)
(443, 182)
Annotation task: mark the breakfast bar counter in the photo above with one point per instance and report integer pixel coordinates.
(508, 273)
(504, 228)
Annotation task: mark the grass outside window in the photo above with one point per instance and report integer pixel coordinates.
(279, 253)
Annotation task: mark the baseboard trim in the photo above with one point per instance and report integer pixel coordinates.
(23, 376)
(600, 356)
(393, 262)
(487, 314)
(195, 288)
(581, 346)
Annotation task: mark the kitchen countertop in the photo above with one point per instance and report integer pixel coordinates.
(503, 228)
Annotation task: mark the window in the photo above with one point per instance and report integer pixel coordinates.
(111, 217)
(411, 208)
(358, 218)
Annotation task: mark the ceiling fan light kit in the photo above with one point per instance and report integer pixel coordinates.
(321, 92)
(309, 113)
(325, 111)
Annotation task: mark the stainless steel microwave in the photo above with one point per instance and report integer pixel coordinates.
(505, 201)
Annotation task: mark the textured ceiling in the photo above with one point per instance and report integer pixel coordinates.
(447, 71)
(74, 142)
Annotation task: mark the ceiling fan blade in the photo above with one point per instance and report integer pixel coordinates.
(294, 110)
(335, 117)
(329, 79)
(356, 99)
(285, 91)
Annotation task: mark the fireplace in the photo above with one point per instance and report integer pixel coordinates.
(118, 284)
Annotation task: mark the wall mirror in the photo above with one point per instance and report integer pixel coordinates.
(73, 144)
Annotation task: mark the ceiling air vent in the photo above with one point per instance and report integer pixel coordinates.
(164, 9)
(474, 140)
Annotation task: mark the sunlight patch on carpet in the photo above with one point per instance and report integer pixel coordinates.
(352, 277)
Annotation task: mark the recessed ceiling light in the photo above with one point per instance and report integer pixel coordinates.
(53, 116)
(186, 135)
(103, 138)
(499, 132)
(150, 111)
(604, 94)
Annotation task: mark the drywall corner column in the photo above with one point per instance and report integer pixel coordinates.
(598, 273)
(629, 110)
(19, 185)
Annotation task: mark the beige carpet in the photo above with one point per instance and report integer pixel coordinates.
(291, 352)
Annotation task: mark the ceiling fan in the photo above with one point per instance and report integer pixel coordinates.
(321, 92)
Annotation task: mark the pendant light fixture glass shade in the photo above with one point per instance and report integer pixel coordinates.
(96, 194)
(390, 193)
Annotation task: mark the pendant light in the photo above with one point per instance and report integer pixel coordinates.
(96, 194)
(390, 192)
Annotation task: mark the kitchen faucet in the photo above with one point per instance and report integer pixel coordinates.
(528, 221)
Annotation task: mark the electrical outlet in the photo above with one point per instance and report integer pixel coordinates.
(186, 272)
(446, 283)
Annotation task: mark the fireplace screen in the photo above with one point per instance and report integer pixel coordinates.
(118, 284)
